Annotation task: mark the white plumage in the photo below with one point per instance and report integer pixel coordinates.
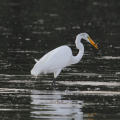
(57, 59)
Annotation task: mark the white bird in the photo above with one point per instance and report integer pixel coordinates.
(57, 59)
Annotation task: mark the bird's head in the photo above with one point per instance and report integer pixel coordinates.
(86, 37)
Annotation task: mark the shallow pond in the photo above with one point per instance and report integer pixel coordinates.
(89, 90)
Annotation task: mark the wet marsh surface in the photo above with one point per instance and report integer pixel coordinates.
(89, 90)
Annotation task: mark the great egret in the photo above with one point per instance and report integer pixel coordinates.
(57, 59)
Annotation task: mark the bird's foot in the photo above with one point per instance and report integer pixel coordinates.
(53, 83)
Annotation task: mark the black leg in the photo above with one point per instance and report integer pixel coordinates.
(53, 83)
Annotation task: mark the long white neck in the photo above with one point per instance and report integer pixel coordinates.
(79, 46)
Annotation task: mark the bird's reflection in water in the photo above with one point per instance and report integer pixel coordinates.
(52, 105)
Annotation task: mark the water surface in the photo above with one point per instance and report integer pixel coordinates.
(89, 90)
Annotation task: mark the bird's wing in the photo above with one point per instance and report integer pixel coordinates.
(57, 58)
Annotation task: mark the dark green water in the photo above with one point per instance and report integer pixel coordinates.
(89, 90)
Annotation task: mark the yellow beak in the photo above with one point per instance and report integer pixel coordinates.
(91, 41)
